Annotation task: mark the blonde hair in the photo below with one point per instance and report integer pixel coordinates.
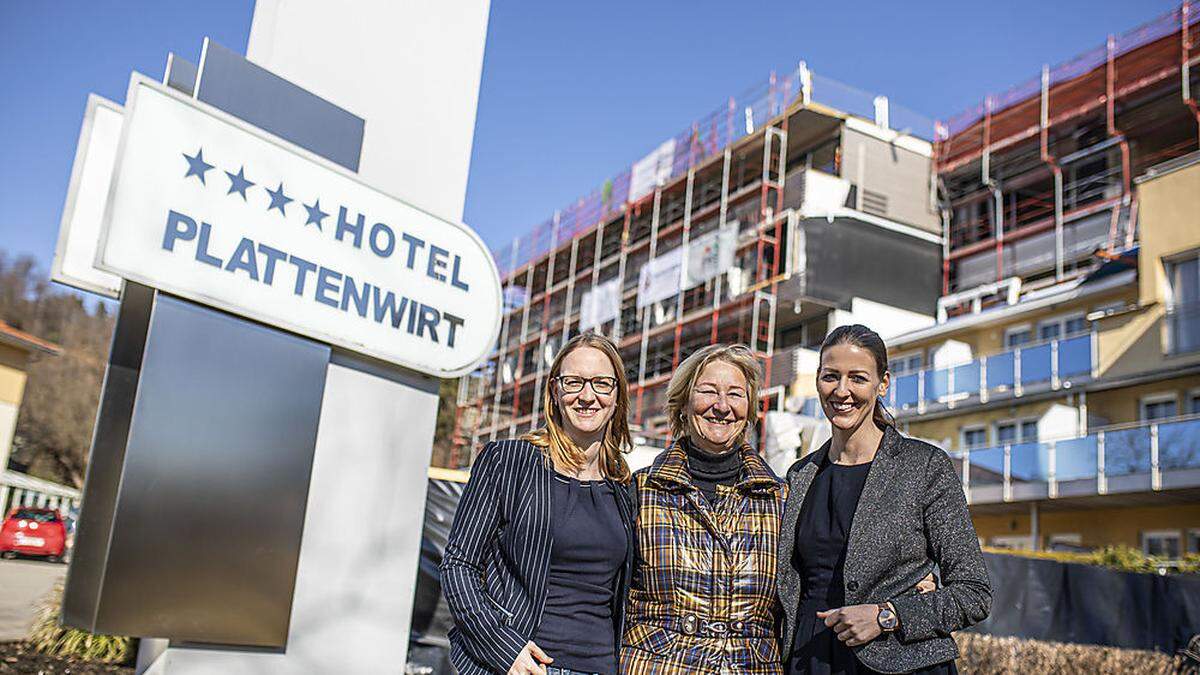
(679, 391)
(553, 440)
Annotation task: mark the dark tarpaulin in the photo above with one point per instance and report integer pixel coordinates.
(431, 619)
(1066, 602)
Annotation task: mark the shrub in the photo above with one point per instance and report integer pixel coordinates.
(988, 655)
(52, 638)
(1123, 558)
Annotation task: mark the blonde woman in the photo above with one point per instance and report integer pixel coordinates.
(538, 561)
(703, 598)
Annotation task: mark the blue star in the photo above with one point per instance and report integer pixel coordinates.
(315, 214)
(196, 165)
(278, 199)
(238, 182)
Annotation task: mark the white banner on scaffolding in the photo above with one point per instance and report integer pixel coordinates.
(652, 170)
(600, 304)
(660, 278)
(710, 255)
(707, 257)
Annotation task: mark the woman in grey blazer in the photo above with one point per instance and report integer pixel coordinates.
(868, 515)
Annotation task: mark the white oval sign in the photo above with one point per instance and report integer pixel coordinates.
(207, 207)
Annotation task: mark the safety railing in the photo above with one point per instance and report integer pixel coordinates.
(1041, 366)
(1147, 456)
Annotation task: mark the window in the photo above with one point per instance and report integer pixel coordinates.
(1183, 315)
(974, 437)
(1062, 327)
(1161, 544)
(1193, 541)
(1194, 402)
(905, 364)
(1065, 542)
(1017, 336)
(1016, 431)
(1158, 407)
(1013, 542)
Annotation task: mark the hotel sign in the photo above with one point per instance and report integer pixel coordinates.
(207, 207)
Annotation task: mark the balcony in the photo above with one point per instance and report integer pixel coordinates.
(1030, 368)
(1144, 457)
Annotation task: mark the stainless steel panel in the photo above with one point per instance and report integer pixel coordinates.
(205, 533)
(86, 573)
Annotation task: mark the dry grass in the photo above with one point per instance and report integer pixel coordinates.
(988, 655)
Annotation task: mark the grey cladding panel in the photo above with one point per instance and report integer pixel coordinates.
(848, 258)
(262, 98)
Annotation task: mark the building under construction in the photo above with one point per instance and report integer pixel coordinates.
(1062, 374)
(1034, 180)
(768, 222)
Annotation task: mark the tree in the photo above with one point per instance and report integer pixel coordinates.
(54, 425)
(443, 435)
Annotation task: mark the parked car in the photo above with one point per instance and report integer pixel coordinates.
(35, 532)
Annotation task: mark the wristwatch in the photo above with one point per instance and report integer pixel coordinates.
(888, 620)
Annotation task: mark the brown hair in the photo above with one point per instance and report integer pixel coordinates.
(679, 391)
(862, 337)
(553, 440)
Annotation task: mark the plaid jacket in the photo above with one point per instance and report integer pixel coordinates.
(703, 597)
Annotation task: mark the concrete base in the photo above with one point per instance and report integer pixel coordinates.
(358, 558)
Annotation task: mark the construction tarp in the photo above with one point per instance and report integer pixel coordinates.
(600, 304)
(708, 256)
(431, 620)
(1066, 602)
(652, 170)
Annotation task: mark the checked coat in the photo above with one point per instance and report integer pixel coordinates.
(703, 597)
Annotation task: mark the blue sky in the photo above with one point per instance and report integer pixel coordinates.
(572, 92)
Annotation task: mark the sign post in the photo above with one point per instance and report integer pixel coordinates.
(257, 479)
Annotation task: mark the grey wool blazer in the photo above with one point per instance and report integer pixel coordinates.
(912, 515)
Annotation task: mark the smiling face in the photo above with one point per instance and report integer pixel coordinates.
(848, 384)
(717, 407)
(585, 412)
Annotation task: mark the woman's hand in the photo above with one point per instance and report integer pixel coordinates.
(855, 625)
(529, 661)
(926, 585)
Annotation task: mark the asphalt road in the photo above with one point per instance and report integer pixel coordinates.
(22, 584)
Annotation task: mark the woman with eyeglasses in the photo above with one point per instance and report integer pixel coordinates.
(539, 557)
(703, 598)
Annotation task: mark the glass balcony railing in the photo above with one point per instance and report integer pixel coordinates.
(1133, 458)
(1047, 365)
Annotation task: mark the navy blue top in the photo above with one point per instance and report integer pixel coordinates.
(589, 547)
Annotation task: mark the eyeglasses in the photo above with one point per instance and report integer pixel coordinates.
(573, 384)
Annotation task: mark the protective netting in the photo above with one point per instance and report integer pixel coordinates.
(1082, 64)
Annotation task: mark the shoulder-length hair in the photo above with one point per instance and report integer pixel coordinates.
(553, 440)
(679, 391)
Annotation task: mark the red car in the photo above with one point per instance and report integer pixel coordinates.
(30, 531)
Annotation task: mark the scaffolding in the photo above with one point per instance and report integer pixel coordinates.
(1048, 164)
(727, 172)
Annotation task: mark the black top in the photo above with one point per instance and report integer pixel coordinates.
(588, 549)
(820, 558)
(708, 471)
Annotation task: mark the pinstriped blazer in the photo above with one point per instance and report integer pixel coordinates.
(498, 557)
